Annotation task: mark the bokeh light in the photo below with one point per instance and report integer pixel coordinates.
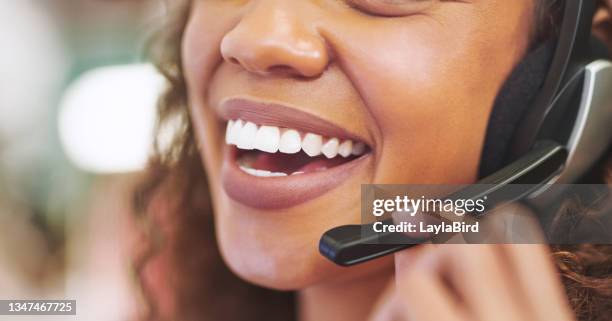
(106, 118)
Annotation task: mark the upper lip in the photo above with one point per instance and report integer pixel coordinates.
(274, 114)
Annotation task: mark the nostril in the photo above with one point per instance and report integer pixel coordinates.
(234, 60)
(281, 69)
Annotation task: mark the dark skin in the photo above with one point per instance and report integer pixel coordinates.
(388, 73)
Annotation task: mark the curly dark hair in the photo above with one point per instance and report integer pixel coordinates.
(175, 191)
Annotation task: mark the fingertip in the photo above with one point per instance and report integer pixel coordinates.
(406, 259)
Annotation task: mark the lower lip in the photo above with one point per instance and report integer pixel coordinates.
(282, 192)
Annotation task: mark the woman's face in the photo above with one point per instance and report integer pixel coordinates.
(308, 83)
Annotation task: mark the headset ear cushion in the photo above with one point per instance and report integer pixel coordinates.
(516, 95)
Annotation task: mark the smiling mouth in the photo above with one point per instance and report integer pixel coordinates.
(278, 157)
(270, 151)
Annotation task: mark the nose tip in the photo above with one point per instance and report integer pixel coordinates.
(270, 49)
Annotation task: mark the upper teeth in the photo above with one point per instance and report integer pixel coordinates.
(271, 139)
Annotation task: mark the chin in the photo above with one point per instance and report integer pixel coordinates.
(279, 268)
(279, 248)
(278, 254)
(293, 264)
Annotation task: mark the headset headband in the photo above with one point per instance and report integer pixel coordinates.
(574, 51)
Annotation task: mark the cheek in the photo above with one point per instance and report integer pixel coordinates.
(200, 48)
(430, 96)
(201, 57)
(427, 92)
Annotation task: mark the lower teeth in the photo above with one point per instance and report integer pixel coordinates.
(264, 173)
(260, 172)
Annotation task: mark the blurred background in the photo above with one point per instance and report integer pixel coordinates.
(76, 115)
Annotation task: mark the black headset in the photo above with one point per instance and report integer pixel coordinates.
(551, 123)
